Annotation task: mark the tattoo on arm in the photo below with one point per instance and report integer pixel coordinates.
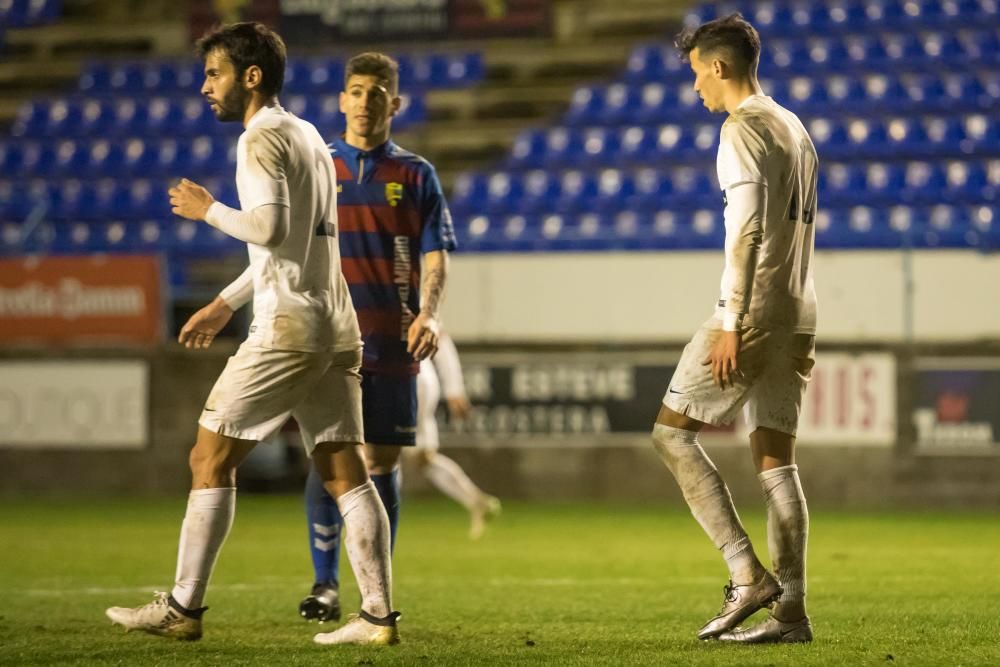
(432, 286)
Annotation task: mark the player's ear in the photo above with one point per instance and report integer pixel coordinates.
(720, 69)
(343, 102)
(252, 77)
(394, 105)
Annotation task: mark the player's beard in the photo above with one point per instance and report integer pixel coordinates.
(232, 107)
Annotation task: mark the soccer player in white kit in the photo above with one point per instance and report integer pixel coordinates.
(443, 375)
(303, 352)
(757, 351)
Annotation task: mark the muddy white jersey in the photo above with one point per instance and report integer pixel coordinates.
(768, 278)
(300, 297)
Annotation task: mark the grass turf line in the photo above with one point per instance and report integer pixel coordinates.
(549, 584)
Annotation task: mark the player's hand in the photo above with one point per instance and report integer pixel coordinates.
(459, 407)
(422, 337)
(202, 328)
(722, 358)
(190, 200)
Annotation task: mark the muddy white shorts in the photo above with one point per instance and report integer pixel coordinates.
(773, 370)
(261, 388)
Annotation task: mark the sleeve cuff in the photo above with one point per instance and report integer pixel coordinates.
(215, 210)
(732, 321)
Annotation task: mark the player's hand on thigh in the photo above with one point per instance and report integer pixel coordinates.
(422, 337)
(722, 358)
(202, 327)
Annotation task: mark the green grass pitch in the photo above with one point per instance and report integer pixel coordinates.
(549, 584)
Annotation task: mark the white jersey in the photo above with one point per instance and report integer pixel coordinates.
(764, 143)
(300, 297)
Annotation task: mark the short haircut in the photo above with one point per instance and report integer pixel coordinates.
(732, 36)
(246, 44)
(378, 65)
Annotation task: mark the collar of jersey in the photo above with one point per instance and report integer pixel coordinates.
(354, 154)
(262, 113)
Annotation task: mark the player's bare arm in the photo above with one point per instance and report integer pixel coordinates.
(190, 200)
(422, 337)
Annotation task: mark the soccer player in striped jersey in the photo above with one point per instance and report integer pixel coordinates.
(395, 235)
(757, 350)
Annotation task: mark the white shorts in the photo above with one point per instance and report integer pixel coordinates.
(774, 368)
(428, 397)
(261, 388)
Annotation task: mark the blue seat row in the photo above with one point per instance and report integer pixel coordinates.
(417, 72)
(783, 17)
(71, 158)
(102, 199)
(818, 55)
(870, 93)
(899, 137)
(685, 187)
(88, 117)
(26, 13)
(175, 236)
(858, 227)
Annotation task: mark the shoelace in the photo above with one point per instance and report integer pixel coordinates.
(728, 595)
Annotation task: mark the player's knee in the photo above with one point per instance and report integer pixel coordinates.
(673, 443)
(382, 459)
(211, 467)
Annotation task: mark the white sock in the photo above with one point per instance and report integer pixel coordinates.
(451, 480)
(707, 496)
(787, 529)
(206, 524)
(367, 541)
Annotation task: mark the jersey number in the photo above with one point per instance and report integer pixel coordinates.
(793, 210)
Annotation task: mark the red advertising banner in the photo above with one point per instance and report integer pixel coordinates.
(80, 300)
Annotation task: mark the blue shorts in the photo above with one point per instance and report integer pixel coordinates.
(389, 407)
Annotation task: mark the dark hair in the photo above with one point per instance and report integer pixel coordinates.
(731, 35)
(378, 65)
(247, 44)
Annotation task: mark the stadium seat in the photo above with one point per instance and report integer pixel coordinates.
(503, 193)
(652, 189)
(539, 191)
(656, 104)
(577, 191)
(468, 193)
(584, 105)
(884, 182)
(563, 147)
(637, 145)
(598, 146)
(528, 149)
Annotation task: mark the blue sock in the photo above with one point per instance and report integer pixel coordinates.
(325, 524)
(388, 488)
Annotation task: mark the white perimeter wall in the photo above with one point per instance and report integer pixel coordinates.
(664, 296)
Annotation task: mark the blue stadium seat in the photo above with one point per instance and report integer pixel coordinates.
(844, 92)
(884, 182)
(845, 16)
(131, 115)
(692, 188)
(925, 181)
(563, 147)
(503, 193)
(978, 134)
(577, 191)
(468, 193)
(584, 105)
(539, 191)
(32, 118)
(652, 189)
(614, 187)
(656, 104)
(637, 144)
(598, 145)
(528, 148)
(967, 181)
(841, 183)
(619, 103)
(827, 53)
(864, 51)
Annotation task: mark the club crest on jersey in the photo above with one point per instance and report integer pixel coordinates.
(393, 193)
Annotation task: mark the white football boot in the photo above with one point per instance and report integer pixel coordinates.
(364, 630)
(772, 631)
(162, 617)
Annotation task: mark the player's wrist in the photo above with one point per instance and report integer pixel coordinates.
(732, 321)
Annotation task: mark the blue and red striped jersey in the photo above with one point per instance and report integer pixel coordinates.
(390, 210)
